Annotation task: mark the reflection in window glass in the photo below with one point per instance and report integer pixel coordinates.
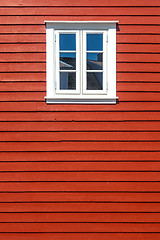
(67, 81)
(67, 61)
(94, 81)
(67, 42)
(94, 42)
(94, 61)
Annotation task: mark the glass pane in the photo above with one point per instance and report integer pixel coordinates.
(67, 81)
(67, 61)
(94, 61)
(67, 42)
(95, 81)
(94, 42)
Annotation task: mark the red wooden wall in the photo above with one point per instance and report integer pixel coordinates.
(79, 171)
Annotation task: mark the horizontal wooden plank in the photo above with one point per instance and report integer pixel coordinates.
(78, 236)
(138, 57)
(25, 86)
(22, 28)
(72, 236)
(137, 67)
(18, 47)
(79, 136)
(138, 29)
(79, 156)
(44, 136)
(78, 3)
(142, 77)
(129, 87)
(78, 116)
(36, 76)
(138, 38)
(25, 38)
(121, 76)
(137, 96)
(23, 67)
(72, 11)
(39, 96)
(39, 86)
(40, 47)
(134, 96)
(80, 187)
(80, 126)
(42, 106)
(41, 57)
(80, 166)
(135, 48)
(79, 197)
(80, 176)
(40, 20)
(126, 136)
(80, 207)
(79, 227)
(80, 146)
(41, 67)
(41, 38)
(80, 217)
(30, 57)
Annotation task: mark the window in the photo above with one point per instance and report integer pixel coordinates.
(81, 62)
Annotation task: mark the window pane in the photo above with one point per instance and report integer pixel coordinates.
(67, 42)
(95, 81)
(94, 42)
(67, 61)
(67, 81)
(94, 61)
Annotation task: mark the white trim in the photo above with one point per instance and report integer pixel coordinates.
(80, 25)
(103, 71)
(81, 101)
(86, 22)
(108, 94)
(111, 66)
(57, 68)
(50, 61)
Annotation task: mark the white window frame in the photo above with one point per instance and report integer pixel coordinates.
(77, 71)
(81, 95)
(84, 79)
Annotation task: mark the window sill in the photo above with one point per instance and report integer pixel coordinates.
(81, 101)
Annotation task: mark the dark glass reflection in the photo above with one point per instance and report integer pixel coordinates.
(67, 81)
(94, 42)
(94, 81)
(94, 61)
(67, 42)
(67, 61)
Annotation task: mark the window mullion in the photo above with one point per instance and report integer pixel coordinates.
(81, 60)
(84, 61)
(78, 67)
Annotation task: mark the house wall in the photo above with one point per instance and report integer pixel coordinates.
(79, 171)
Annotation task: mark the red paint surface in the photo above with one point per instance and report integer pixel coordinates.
(79, 171)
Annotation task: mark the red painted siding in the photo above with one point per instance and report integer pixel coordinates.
(79, 171)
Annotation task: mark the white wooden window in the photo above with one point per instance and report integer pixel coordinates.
(81, 62)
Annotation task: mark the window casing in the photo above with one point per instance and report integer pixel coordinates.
(81, 62)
